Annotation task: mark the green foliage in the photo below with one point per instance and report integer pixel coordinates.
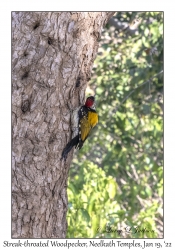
(91, 206)
(116, 180)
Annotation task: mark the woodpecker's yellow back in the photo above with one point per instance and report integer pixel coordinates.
(86, 124)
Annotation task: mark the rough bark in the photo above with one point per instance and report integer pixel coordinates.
(52, 58)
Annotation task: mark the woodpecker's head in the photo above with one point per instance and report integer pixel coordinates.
(90, 101)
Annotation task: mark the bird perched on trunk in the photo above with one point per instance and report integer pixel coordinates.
(87, 119)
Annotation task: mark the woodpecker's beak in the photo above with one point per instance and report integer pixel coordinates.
(93, 106)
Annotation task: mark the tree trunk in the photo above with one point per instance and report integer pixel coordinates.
(52, 58)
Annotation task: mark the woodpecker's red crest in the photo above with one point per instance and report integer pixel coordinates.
(90, 101)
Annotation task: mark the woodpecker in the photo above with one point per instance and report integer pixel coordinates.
(87, 120)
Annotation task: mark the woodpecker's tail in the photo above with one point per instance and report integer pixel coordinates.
(69, 146)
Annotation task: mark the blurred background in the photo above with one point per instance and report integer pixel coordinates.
(116, 179)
